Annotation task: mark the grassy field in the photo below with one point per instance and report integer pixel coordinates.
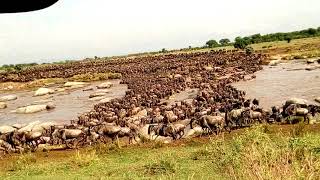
(261, 152)
(32, 85)
(297, 48)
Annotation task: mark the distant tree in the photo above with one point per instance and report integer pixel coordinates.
(288, 38)
(312, 31)
(164, 50)
(256, 38)
(224, 41)
(212, 43)
(190, 47)
(240, 43)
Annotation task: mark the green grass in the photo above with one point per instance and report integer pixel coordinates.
(302, 48)
(257, 153)
(89, 77)
(32, 85)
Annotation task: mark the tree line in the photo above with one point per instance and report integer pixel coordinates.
(239, 42)
(243, 42)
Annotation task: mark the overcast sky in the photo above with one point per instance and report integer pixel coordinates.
(75, 29)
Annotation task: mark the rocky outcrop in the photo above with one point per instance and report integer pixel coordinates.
(105, 85)
(274, 62)
(74, 84)
(8, 98)
(34, 108)
(43, 91)
(97, 94)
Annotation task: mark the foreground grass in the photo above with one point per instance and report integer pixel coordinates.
(256, 153)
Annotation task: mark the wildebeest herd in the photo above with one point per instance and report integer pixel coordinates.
(217, 107)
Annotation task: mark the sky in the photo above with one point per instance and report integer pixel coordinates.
(76, 29)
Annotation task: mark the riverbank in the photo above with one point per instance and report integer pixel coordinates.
(265, 151)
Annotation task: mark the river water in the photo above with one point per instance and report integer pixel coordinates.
(272, 86)
(69, 104)
(275, 84)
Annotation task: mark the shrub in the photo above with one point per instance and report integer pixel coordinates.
(240, 43)
(212, 43)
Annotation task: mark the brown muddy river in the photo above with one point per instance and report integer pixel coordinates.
(69, 104)
(275, 84)
(272, 86)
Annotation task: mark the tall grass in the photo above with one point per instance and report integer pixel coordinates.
(259, 155)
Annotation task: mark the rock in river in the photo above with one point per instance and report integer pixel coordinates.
(317, 99)
(43, 91)
(33, 108)
(97, 94)
(75, 84)
(274, 62)
(8, 98)
(311, 61)
(105, 85)
(3, 105)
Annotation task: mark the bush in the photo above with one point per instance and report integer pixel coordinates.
(212, 43)
(240, 43)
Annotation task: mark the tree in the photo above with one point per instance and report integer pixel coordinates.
(224, 41)
(212, 43)
(312, 31)
(288, 38)
(164, 50)
(240, 43)
(256, 38)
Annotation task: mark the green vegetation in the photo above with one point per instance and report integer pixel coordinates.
(16, 67)
(258, 38)
(240, 43)
(212, 43)
(89, 77)
(243, 42)
(262, 152)
(225, 43)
